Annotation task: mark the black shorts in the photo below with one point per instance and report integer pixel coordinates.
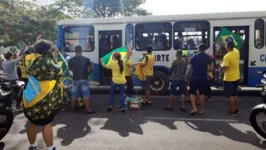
(198, 84)
(230, 88)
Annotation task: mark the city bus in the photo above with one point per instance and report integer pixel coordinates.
(166, 34)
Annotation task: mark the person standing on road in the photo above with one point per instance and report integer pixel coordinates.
(178, 71)
(118, 80)
(210, 78)
(81, 68)
(42, 98)
(231, 75)
(128, 72)
(147, 65)
(198, 78)
(10, 74)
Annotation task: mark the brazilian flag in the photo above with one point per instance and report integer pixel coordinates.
(224, 34)
(109, 57)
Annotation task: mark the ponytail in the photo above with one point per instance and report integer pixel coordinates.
(121, 66)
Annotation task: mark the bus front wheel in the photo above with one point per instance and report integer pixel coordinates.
(159, 83)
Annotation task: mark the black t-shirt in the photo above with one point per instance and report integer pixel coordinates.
(80, 67)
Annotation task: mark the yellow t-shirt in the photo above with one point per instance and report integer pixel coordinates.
(128, 69)
(231, 61)
(117, 77)
(148, 68)
(23, 71)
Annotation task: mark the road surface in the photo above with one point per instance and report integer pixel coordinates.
(148, 129)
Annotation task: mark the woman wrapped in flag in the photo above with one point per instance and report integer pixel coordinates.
(42, 96)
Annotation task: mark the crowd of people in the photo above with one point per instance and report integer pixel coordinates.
(38, 67)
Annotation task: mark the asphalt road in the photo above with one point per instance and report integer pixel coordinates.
(148, 129)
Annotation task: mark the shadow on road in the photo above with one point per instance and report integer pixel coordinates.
(74, 126)
(227, 130)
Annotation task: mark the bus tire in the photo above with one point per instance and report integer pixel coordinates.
(159, 83)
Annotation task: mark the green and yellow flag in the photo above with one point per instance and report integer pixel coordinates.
(108, 57)
(225, 33)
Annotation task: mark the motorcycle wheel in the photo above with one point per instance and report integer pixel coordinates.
(259, 127)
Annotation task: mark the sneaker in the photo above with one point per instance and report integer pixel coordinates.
(168, 108)
(110, 108)
(33, 148)
(232, 113)
(122, 109)
(237, 111)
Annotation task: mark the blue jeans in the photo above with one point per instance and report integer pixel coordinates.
(121, 92)
(80, 87)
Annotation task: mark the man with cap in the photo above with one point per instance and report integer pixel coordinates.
(230, 65)
(178, 71)
(198, 67)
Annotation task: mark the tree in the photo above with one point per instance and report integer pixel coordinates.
(102, 8)
(20, 21)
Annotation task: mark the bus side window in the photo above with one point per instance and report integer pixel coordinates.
(259, 33)
(80, 35)
(158, 35)
(188, 35)
(130, 36)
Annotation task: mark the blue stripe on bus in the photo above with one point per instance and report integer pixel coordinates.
(254, 75)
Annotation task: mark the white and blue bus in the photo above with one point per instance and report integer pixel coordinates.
(98, 36)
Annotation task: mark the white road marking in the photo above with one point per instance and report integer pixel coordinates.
(193, 119)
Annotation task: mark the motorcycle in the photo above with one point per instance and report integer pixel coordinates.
(9, 91)
(258, 113)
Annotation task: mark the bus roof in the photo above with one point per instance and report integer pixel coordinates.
(138, 19)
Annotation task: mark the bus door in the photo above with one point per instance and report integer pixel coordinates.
(219, 52)
(108, 41)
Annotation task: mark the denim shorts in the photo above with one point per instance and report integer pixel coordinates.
(230, 88)
(180, 84)
(80, 87)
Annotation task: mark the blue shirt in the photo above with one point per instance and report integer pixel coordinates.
(199, 63)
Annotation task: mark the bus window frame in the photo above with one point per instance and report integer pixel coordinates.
(263, 30)
(154, 23)
(133, 35)
(88, 26)
(200, 21)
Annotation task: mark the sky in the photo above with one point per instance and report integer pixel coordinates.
(170, 7)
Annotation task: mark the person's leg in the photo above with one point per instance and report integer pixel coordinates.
(203, 91)
(74, 94)
(32, 133)
(85, 91)
(192, 92)
(229, 92)
(111, 96)
(122, 98)
(172, 92)
(129, 84)
(147, 87)
(236, 97)
(182, 91)
(47, 133)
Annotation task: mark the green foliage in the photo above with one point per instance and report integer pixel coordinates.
(102, 8)
(22, 20)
